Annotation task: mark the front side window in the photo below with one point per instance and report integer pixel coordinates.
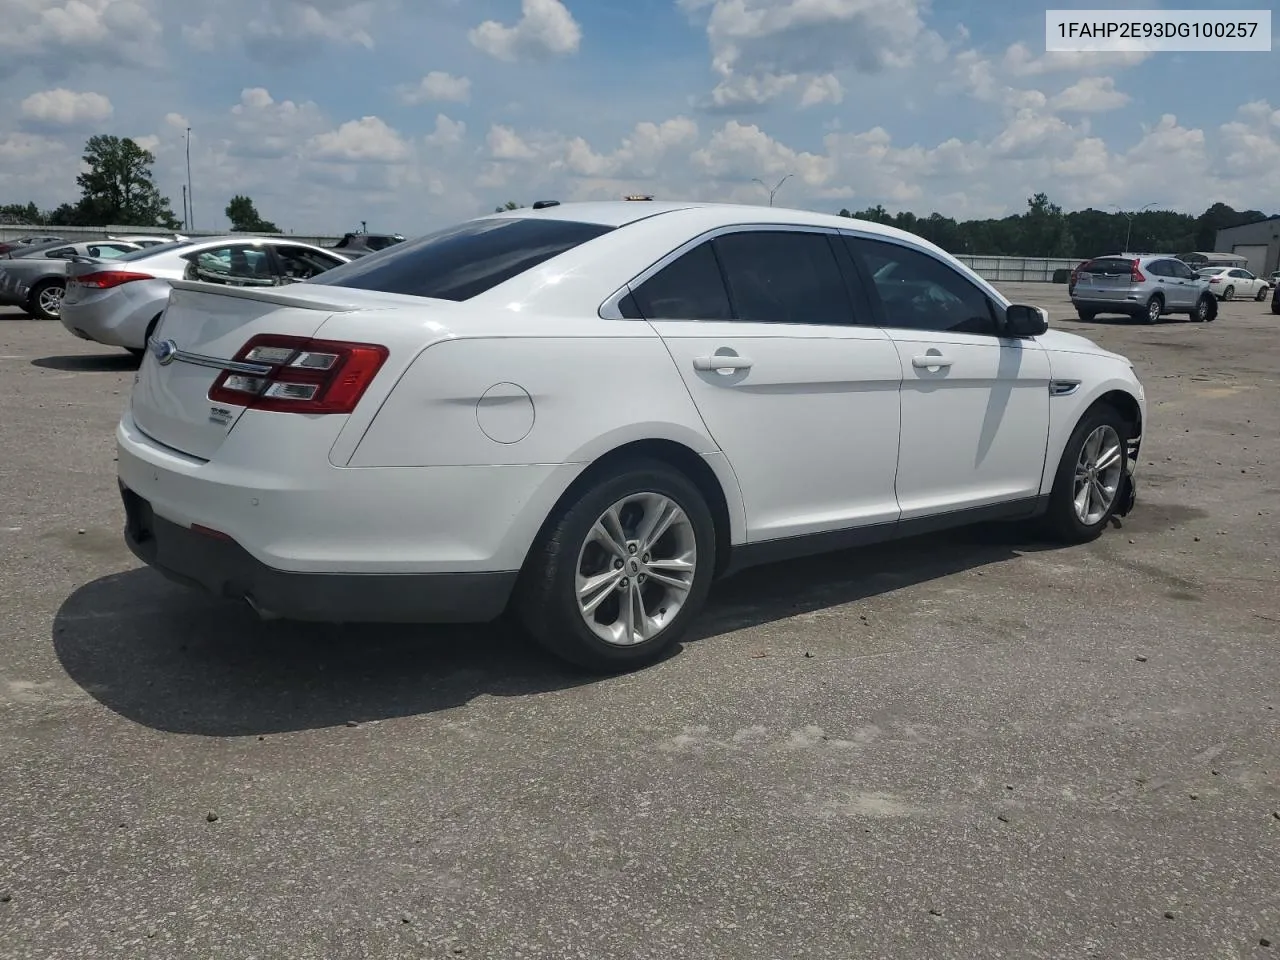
(691, 287)
(464, 261)
(920, 292)
(781, 276)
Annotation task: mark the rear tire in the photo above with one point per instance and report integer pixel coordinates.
(1155, 307)
(1228, 293)
(1101, 435)
(1086, 315)
(45, 301)
(599, 537)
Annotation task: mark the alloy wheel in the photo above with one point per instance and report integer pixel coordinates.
(636, 569)
(50, 300)
(1097, 477)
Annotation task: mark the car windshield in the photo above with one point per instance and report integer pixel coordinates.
(465, 260)
(155, 249)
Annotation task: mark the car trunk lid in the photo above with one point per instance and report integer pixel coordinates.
(202, 330)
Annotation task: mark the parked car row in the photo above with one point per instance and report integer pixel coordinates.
(119, 302)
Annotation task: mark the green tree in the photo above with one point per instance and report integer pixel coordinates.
(117, 188)
(20, 213)
(244, 217)
(509, 205)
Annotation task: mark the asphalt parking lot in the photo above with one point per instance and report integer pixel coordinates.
(962, 746)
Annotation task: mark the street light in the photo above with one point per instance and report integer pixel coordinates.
(1129, 217)
(773, 192)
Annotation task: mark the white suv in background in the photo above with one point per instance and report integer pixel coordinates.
(588, 412)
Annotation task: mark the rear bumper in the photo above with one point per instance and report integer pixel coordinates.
(225, 569)
(1125, 304)
(118, 317)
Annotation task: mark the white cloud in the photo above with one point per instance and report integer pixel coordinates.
(1090, 95)
(263, 127)
(1021, 62)
(447, 132)
(824, 89)
(545, 29)
(66, 108)
(640, 155)
(505, 144)
(367, 140)
(438, 86)
(57, 36)
(763, 48)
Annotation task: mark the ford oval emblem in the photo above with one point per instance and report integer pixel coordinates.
(164, 351)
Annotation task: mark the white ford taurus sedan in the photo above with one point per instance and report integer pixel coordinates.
(586, 413)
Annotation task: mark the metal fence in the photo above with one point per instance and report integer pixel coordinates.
(1018, 269)
(995, 269)
(75, 234)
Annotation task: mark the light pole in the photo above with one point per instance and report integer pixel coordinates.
(1129, 217)
(773, 192)
(191, 195)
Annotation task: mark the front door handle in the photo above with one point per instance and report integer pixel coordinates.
(930, 360)
(721, 363)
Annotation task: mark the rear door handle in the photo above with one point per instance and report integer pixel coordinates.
(928, 361)
(721, 363)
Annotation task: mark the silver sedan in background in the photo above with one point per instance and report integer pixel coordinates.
(35, 277)
(118, 303)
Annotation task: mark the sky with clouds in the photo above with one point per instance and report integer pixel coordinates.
(411, 114)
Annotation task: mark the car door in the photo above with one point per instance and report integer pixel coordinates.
(1246, 283)
(793, 380)
(1192, 283)
(975, 404)
(1161, 273)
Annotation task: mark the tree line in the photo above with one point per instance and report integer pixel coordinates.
(117, 188)
(1043, 230)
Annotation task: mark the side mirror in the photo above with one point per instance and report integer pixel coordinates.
(1023, 321)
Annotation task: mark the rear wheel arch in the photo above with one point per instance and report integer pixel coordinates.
(674, 454)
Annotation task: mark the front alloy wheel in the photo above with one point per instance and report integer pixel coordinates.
(1090, 483)
(1098, 472)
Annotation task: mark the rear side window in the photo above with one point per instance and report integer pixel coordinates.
(1109, 267)
(154, 250)
(1159, 268)
(463, 261)
(689, 288)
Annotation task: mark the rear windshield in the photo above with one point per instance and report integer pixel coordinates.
(151, 251)
(463, 261)
(1109, 267)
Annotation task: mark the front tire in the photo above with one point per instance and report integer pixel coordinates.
(1262, 294)
(1228, 293)
(617, 576)
(1091, 476)
(46, 300)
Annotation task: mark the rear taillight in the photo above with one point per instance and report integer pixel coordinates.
(299, 375)
(1135, 274)
(106, 279)
(1215, 279)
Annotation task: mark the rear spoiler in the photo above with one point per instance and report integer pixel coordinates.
(274, 295)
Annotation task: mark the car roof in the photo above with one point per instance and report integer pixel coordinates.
(619, 213)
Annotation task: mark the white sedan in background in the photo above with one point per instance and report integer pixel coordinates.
(118, 303)
(588, 412)
(1227, 283)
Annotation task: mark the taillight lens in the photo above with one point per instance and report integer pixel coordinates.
(106, 279)
(300, 375)
(1135, 274)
